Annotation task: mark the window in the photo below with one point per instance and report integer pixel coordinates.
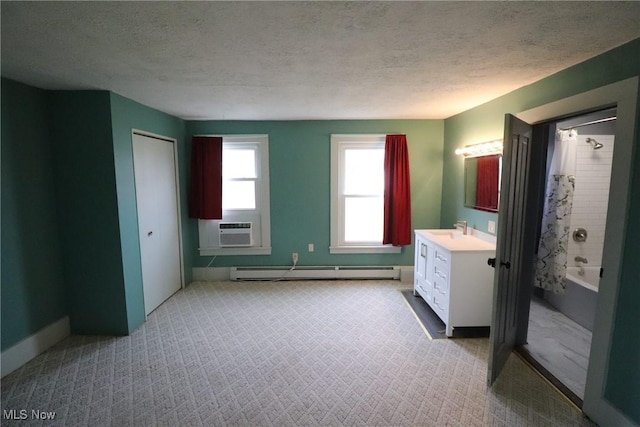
(245, 195)
(357, 194)
(239, 177)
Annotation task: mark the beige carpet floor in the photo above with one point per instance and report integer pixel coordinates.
(277, 354)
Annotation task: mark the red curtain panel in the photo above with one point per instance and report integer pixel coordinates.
(487, 182)
(397, 192)
(205, 201)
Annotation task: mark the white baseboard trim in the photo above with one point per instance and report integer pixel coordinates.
(216, 274)
(30, 347)
(315, 272)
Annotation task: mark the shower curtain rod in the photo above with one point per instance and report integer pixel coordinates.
(595, 122)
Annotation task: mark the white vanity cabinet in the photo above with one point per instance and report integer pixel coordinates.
(452, 276)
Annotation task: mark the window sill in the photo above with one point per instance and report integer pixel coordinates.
(382, 249)
(235, 251)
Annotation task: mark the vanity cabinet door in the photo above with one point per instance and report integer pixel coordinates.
(420, 267)
(422, 271)
(421, 259)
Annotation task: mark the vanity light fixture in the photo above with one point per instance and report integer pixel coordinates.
(484, 149)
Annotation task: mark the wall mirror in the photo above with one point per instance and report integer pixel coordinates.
(482, 182)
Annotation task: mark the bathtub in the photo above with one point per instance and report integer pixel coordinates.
(581, 294)
(590, 279)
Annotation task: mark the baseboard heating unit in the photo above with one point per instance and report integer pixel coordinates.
(313, 273)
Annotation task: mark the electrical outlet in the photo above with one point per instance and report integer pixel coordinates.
(311, 248)
(492, 227)
(294, 257)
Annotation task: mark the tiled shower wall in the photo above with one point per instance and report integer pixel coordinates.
(593, 175)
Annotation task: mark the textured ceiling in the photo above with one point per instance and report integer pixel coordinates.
(306, 60)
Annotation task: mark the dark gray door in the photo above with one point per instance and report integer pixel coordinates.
(508, 289)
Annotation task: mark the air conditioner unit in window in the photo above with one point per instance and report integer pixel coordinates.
(235, 234)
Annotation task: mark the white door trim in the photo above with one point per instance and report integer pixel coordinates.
(624, 95)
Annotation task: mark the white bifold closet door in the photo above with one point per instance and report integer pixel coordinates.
(158, 218)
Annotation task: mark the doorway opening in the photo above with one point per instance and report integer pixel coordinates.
(604, 397)
(570, 248)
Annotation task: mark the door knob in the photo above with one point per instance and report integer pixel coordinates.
(492, 262)
(505, 264)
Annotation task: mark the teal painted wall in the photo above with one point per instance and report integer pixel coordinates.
(68, 154)
(32, 288)
(300, 185)
(125, 116)
(486, 122)
(88, 206)
(623, 382)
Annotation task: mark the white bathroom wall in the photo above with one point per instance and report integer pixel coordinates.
(593, 175)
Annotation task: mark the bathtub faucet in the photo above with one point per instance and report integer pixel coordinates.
(581, 259)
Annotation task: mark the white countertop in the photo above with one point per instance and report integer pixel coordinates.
(459, 242)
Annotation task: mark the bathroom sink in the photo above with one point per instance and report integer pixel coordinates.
(453, 234)
(440, 232)
(459, 235)
(454, 240)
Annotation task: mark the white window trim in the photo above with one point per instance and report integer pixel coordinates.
(338, 141)
(263, 202)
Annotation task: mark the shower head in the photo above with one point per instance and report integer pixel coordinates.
(596, 145)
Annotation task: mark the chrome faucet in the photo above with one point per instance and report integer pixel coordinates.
(581, 259)
(461, 225)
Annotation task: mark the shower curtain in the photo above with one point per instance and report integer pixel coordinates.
(551, 265)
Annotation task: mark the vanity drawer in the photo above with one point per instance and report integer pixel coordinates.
(439, 305)
(441, 277)
(440, 288)
(441, 259)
